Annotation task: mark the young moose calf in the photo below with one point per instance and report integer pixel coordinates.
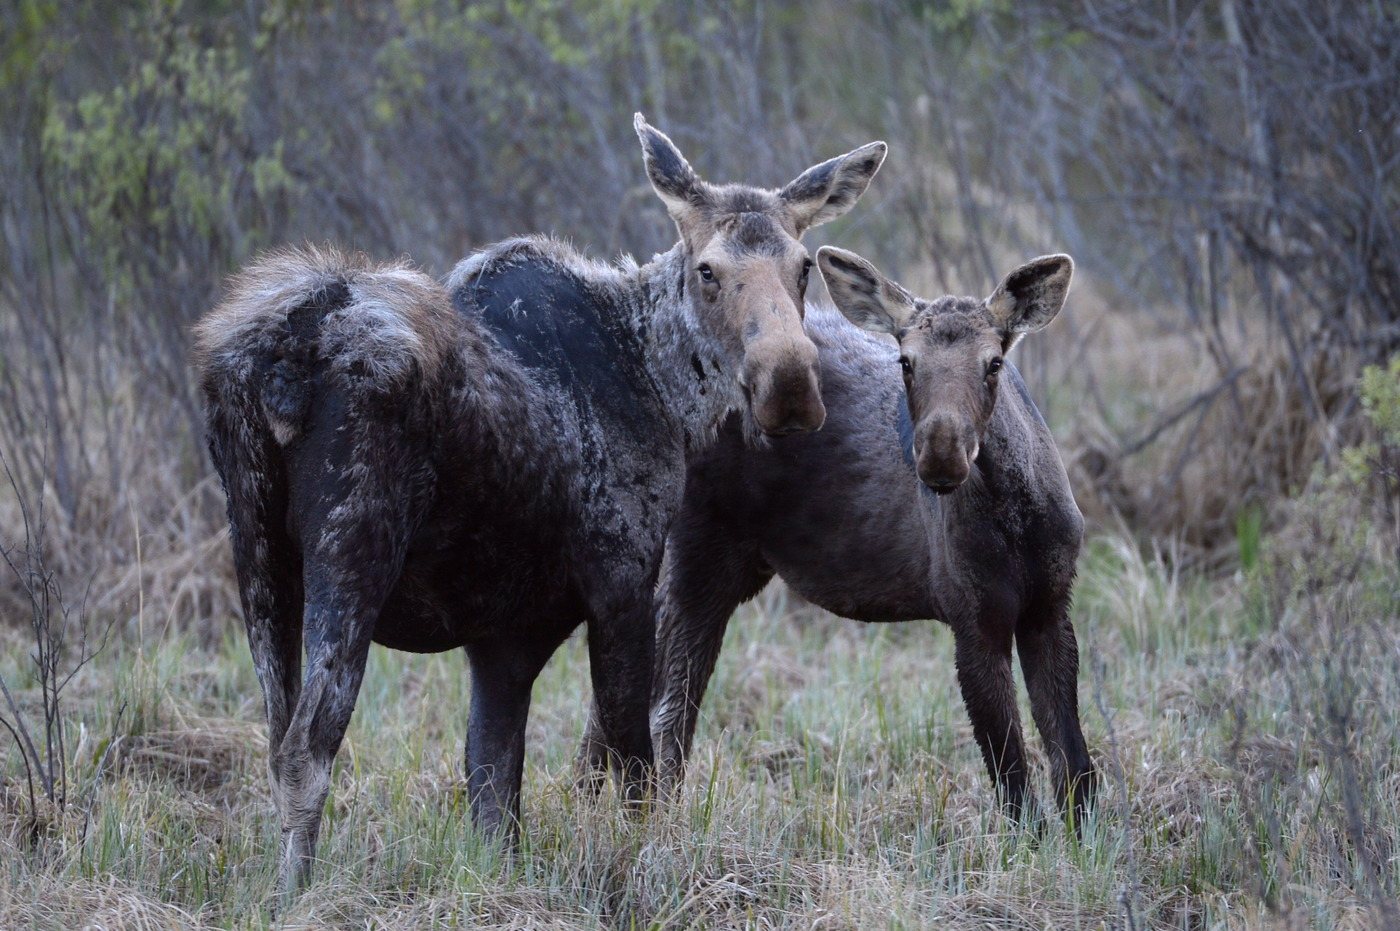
(490, 468)
(935, 495)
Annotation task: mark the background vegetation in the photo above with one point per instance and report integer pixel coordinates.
(1223, 171)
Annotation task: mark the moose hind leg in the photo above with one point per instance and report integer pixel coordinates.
(339, 623)
(356, 510)
(274, 638)
(989, 694)
(273, 618)
(269, 574)
(1050, 663)
(266, 561)
(268, 565)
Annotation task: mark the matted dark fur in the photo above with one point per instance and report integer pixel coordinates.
(490, 464)
(987, 541)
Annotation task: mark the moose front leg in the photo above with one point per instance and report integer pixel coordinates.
(710, 576)
(503, 675)
(989, 693)
(711, 572)
(621, 647)
(1050, 662)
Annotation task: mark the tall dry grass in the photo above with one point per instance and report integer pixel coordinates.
(1154, 440)
(1250, 755)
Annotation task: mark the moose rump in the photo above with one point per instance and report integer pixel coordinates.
(366, 437)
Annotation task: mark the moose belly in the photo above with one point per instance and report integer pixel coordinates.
(849, 556)
(882, 592)
(446, 600)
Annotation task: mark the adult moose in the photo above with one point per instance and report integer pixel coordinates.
(491, 464)
(938, 494)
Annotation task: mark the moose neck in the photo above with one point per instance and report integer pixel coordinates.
(696, 375)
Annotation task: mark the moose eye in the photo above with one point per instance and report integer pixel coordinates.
(806, 270)
(906, 366)
(993, 367)
(707, 274)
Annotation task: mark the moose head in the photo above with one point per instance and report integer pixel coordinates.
(747, 271)
(951, 350)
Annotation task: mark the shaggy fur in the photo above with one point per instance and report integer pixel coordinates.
(485, 465)
(842, 516)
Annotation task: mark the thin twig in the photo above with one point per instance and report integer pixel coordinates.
(1168, 421)
(28, 771)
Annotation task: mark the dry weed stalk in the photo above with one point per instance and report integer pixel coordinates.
(52, 619)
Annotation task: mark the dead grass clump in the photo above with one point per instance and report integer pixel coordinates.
(1268, 759)
(22, 824)
(344, 903)
(208, 757)
(768, 672)
(1000, 909)
(96, 906)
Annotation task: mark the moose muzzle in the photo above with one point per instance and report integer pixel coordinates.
(781, 379)
(945, 455)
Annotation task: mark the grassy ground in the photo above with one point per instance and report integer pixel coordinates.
(1249, 747)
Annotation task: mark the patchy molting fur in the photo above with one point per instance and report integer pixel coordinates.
(843, 518)
(393, 474)
(650, 302)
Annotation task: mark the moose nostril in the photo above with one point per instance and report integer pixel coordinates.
(798, 421)
(788, 429)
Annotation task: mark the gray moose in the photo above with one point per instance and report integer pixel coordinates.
(490, 464)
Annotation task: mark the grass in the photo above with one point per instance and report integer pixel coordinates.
(1250, 764)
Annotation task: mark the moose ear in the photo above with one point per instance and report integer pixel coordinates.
(826, 191)
(671, 175)
(1031, 296)
(867, 298)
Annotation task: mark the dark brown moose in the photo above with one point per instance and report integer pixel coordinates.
(490, 464)
(933, 491)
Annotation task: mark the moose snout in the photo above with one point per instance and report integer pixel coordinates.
(785, 393)
(947, 452)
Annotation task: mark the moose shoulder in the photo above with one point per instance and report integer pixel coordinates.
(933, 491)
(491, 464)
